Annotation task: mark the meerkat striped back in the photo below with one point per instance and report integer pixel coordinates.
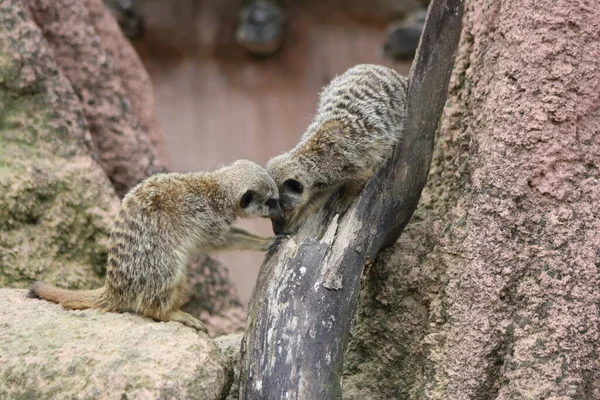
(367, 97)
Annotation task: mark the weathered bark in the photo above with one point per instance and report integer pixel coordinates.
(493, 290)
(305, 298)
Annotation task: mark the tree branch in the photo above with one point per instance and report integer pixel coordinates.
(305, 297)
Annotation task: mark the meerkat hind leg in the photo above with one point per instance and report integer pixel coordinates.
(188, 320)
(179, 316)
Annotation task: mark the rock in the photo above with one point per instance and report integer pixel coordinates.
(56, 204)
(132, 72)
(212, 297)
(230, 345)
(123, 147)
(48, 352)
(261, 27)
(403, 37)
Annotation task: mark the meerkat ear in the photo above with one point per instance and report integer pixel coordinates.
(247, 199)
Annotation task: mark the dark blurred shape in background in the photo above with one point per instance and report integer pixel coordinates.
(126, 14)
(403, 36)
(261, 26)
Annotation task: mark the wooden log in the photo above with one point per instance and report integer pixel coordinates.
(305, 298)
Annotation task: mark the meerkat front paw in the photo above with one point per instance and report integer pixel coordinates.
(277, 240)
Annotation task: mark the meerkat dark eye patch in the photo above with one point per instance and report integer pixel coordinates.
(247, 199)
(293, 186)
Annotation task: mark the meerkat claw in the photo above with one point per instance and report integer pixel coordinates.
(277, 240)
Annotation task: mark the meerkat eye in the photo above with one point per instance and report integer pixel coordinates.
(293, 186)
(247, 199)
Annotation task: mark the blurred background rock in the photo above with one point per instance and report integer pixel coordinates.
(241, 79)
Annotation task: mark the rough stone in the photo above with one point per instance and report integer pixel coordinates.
(122, 144)
(230, 345)
(132, 72)
(47, 352)
(212, 298)
(56, 204)
(492, 292)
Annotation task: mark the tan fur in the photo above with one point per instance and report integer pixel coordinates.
(358, 122)
(162, 221)
(71, 299)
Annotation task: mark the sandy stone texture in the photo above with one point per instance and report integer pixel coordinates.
(493, 291)
(56, 203)
(95, 71)
(46, 352)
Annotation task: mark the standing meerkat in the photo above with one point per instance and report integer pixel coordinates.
(359, 120)
(162, 221)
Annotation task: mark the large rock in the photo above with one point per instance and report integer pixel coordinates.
(492, 292)
(231, 345)
(130, 68)
(121, 142)
(56, 203)
(47, 352)
(212, 297)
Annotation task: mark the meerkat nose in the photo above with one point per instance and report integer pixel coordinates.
(275, 211)
(278, 225)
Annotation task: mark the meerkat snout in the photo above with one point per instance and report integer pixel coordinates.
(259, 197)
(292, 183)
(255, 205)
(274, 208)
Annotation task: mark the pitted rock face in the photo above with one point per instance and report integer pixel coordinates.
(47, 352)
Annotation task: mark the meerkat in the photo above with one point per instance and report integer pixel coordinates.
(161, 222)
(359, 120)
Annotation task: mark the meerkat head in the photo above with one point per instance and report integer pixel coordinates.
(296, 187)
(254, 192)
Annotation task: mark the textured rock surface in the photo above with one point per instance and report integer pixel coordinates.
(132, 72)
(56, 204)
(493, 290)
(121, 142)
(230, 346)
(212, 297)
(47, 352)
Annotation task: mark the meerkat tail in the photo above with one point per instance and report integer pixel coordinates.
(69, 299)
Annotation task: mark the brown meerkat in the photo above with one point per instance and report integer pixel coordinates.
(359, 120)
(162, 221)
